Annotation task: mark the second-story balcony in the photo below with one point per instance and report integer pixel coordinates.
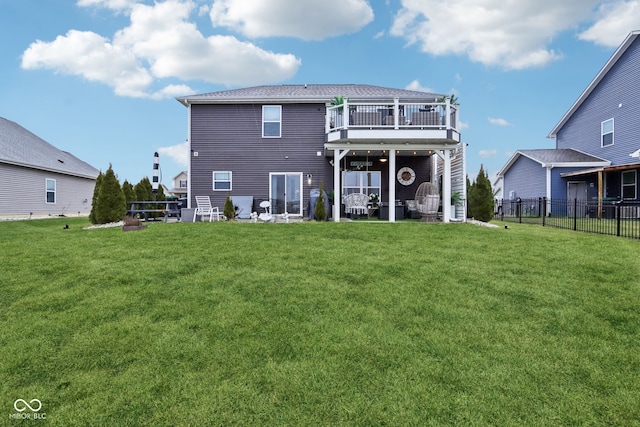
(354, 122)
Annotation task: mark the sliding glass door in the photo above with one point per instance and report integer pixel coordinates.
(285, 190)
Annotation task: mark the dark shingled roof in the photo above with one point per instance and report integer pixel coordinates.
(548, 156)
(20, 147)
(310, 93)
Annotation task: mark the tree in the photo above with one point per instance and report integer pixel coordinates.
(94, 199)
(129, 193)
(143, 190)
(480, 197)
(110, 204)
(320, 212)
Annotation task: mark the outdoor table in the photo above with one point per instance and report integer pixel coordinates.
(154, 206)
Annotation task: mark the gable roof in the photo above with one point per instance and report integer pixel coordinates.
(20, 147)
(628, 41)
(310, 93)
(555, 158)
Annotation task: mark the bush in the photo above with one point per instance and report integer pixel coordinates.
(229, 210)
(110, 205)
(480, 198)
(320, 211)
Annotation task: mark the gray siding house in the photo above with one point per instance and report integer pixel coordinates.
(278, 143)
(597, 140)
(38, 179)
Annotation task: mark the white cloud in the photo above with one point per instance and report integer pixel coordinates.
(513, 35)
(179, 153)
(615, 21)
(498, 121)
(485, 154)
(107, 4)
(415, 85)
(306, 20)
(160, 43)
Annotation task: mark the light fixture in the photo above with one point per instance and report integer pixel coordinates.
(383, 160)
(309, 176)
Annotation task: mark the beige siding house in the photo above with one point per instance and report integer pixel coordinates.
(37, 179)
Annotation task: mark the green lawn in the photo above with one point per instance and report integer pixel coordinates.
(318, 324)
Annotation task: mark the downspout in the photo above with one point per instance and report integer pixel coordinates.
(190, 156)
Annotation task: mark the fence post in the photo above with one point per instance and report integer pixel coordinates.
(519, 209)
(617, 205)
(543, 209)
(575, 214)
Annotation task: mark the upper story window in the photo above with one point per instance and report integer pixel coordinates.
(607, 132)
(222, 180)
(271, 121)
(50, 190)
(182, 183)
(629, 184)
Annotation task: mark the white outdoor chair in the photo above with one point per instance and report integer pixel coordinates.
(356, 203)
(266, 215)
(205, 209)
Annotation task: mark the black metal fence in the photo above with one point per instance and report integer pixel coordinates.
(616, 218)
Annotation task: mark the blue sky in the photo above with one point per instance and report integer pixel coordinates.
(99, 78)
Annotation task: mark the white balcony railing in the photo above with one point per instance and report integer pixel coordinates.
(392, 115)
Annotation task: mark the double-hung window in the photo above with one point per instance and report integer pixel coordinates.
(606, 128)
(271, 121)
(222, 180)
(50, 190)
(629, 185)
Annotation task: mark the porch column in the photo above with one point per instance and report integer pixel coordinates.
(600, 193)
(392, 185)
(337, 197)
(336, 186)
(446, 186)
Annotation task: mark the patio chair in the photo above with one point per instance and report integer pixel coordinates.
(266, 215)
(427, 201)
(356, 203)
(204, 208)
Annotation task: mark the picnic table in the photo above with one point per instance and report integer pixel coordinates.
(146, 207)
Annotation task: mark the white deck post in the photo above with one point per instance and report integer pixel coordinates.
(396, 113)
(336, 185)
(392, 185)
(446, 186)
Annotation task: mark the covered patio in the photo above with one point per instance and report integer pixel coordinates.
(393, 131)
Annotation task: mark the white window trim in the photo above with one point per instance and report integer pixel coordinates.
(635, 184)
(361, 188)
(47, 191)
(297, 175)
(602, 134)
(230, 181)
(272, 121)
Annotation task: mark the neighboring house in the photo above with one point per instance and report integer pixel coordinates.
(180, 186)
(497, 188)
(36, 178)
(597, 141)
(277, 143)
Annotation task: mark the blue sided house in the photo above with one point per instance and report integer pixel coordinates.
(597, 153)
